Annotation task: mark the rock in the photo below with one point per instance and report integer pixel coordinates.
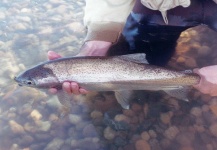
(166, 117)
(190, 63)
(171, 132)
(154, 144)
(96, 114)
(186, 148)
(204, 50)
(165, 143)
(15, 147)
(142, 145)
(180, 59)
(185, 138)
(196, 111)
(44, 125)
(54, 103)
(89, 143)
(136, 108)
(128, 112)
(89, 131)
(119, 141)
(145, 136)
(109, 134)
(53, 117)
(35, 115)
(26, 141)
(74, 119)
(121, 117)
(213, 129)
(16, 128)
(56, 143)
(152, 133)
(213, 108)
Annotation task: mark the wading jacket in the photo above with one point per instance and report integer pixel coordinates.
(105, 19)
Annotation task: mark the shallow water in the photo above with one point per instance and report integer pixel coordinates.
(30, 119)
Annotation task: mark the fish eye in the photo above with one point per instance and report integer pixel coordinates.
(29, 82)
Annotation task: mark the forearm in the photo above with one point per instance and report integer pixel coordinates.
(105, 19)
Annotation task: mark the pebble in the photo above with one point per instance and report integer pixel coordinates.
(121, 117)
(196, 111)
(213, 129)
(56, 143)
(109, 134)
(89, 131)
(185, 138)
(35, 115)
(16, 128)
(171, 132)
(142, 145)
(152, 133)
(145, 136)
(166, 117)
(74, 119)
(213, 108)
(44, 126)
(96, 114)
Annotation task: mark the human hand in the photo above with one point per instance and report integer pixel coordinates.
(69, 87)
(208, 82)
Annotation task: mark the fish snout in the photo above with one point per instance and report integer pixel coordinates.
(15, 79)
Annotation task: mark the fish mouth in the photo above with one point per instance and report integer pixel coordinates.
(15, 79)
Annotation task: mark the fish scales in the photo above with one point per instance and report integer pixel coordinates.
(114, 70)
(121, 74)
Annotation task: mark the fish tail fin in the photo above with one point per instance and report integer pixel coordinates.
(123, 98)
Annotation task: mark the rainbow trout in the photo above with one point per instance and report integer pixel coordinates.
(121, 74)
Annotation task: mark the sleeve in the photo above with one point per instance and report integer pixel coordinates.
(104, 19)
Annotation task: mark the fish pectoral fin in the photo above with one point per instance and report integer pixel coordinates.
(123, 98)
(137, 58)
(180, 93)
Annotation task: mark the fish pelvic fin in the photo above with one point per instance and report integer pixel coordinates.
(137, 58)
(65, 100)
(123, 98)
(179, 93)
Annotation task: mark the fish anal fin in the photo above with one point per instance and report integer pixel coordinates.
(137, 58)
(180, 93)
(123, 98)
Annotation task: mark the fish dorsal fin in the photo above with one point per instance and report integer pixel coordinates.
(137, 58)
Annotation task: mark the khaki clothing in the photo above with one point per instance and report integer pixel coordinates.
(105, 19)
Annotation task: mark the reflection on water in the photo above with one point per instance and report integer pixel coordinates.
(29, 119)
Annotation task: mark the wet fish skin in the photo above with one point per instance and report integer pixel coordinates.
(117, 73)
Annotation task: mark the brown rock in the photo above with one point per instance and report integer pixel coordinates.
(142, 145)
(213, 129)
(136, 108)
(145, 136)
(213, 108)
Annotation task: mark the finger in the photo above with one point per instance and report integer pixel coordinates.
(75, 88)
(66, 87)
(83, 91)
(53, 90)
(52, 55)
(196, 70)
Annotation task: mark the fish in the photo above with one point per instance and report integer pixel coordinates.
(122, 74)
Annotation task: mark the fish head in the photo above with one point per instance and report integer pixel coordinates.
(37, 77)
